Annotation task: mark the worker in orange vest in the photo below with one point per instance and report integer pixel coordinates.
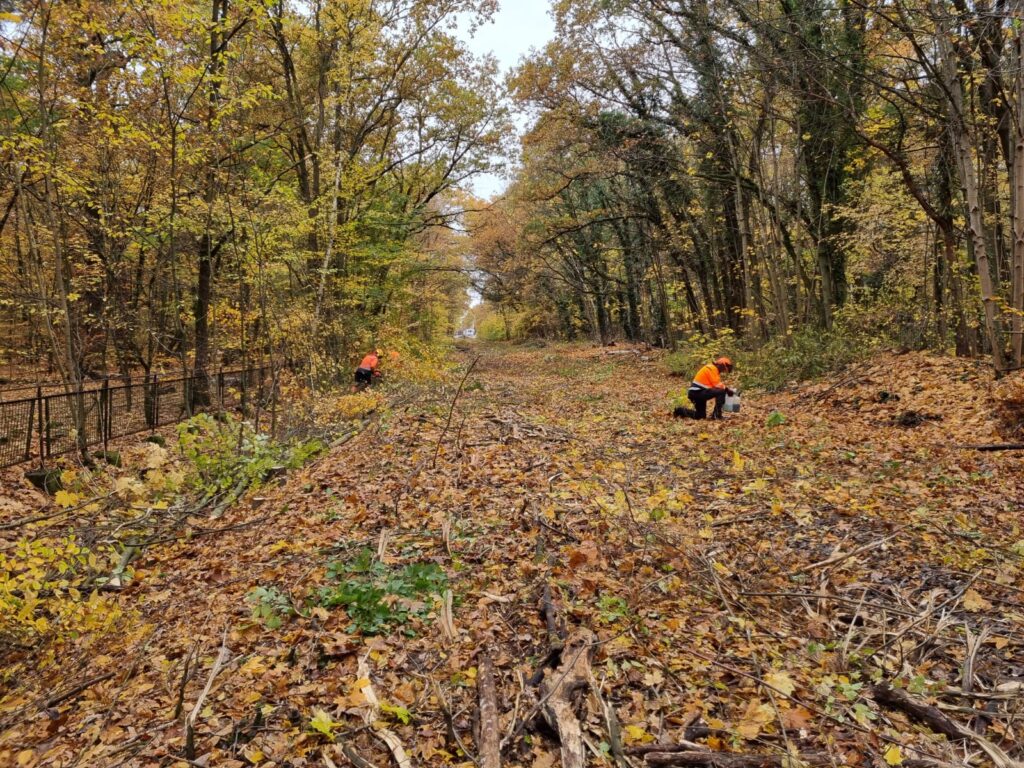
(707, 385)
(368, 369)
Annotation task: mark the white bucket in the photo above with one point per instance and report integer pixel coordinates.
(732, 404)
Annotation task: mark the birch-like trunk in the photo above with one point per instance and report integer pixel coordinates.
(962, 141)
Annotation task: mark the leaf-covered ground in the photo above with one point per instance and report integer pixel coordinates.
(748, 583)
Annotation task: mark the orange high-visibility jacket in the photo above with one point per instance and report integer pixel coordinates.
(707, 378)
(370, 362)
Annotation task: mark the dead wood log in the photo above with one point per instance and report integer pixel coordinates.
(558, 692)
(686, 745)
(732, 760)
(489, 740)
(939, 722)
(995, 447)
(931, 716)
(552, 620)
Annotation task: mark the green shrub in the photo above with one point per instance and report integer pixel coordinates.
(808, 353)
(699, 349)
(269, 605)
(378, 598)
(230, 456)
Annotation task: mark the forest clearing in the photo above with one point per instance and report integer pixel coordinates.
(742, 586)
(546, 383)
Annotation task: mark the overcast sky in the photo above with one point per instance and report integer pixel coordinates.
(518, 26)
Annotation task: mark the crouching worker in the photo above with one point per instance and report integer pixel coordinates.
(368, 369)
(707, 385)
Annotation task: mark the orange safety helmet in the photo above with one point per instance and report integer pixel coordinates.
(724, 362)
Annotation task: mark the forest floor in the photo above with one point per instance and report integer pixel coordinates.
(741, 587)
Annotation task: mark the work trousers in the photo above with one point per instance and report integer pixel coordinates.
(700, 398)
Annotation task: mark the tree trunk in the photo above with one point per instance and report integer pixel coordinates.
(1017, 192)
(962, 143)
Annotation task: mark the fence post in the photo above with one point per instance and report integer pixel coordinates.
(156, 403)
(243, 400)
(220, 388)
(31, 426)
(105, 414)
(39, 399)
(46, 418)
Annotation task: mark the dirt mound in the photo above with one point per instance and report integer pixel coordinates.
(914, 388)
(1009, 396)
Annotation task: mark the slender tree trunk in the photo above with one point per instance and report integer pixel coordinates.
(204, 288)
(962, 144)
(1017, 191)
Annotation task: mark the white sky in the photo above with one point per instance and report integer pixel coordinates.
(518, 26)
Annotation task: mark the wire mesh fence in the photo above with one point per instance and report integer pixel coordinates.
(44, 425)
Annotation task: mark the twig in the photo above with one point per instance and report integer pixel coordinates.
(841, 556)
(185, 677)
(190, 722)
(726, 760)
(451, 410)
(61, 697)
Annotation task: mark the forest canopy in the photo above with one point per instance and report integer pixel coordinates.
(771, 170)
(191, 184)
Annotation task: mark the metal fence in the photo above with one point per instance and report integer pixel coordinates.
(44, 425)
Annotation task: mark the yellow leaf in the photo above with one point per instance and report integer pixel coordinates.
(975, 602)
(68, 476)
(254, 666)
(322, 723)
(26, 757)
(893, 755)
(756, 716)
(65, 499)
(738, 462)
(782, 682)
(635, 734)
(362, 682)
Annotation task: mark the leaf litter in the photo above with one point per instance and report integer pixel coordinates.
(638, 590)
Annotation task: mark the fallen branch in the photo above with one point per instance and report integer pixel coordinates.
(190, 722)
(489, 740)
(558, 691)
(939, 722)
(995, 447)
(71, 693)
(839, 557)
(371, 715)
(640, 750)
(727, 760)
(554, 624)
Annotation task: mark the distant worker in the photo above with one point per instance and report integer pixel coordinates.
(707, 385)
(368, 369)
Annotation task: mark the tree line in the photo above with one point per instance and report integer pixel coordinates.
(700, 165)
(205, 182)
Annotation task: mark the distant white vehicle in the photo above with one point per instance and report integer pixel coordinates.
(466, 333)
